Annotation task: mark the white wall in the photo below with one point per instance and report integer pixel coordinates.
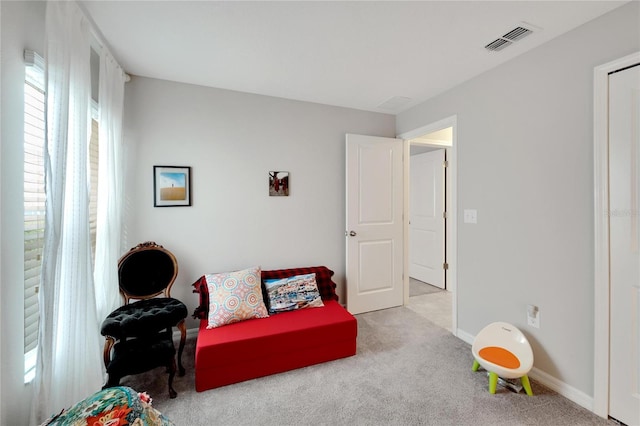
(22, 28)
(232, 140)
(525, 162)
(1, 411)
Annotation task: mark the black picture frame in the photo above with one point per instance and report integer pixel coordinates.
(171, 186)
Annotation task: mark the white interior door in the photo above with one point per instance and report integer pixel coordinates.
(426, 221)
(624, 228)
(374, 223)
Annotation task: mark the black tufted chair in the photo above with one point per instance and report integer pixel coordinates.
(139, 335)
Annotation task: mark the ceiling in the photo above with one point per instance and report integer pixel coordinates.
(355, 54)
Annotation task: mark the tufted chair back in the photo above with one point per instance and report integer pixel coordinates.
(146, 271)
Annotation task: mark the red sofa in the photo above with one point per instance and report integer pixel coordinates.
(282, 342)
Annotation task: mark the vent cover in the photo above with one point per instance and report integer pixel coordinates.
(498, 44)
(516, 34)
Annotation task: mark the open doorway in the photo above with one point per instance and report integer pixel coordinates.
(430, 232)
(427, 216)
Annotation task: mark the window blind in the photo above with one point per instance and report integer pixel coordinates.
(93, 181)
(34, 200)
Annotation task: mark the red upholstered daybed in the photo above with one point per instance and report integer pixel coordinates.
(282, 342)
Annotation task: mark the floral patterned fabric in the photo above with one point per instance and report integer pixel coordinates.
(114, 406)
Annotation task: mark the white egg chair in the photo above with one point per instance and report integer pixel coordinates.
(502, 350)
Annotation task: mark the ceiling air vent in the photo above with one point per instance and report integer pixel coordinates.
(497, 44)
(516, 34)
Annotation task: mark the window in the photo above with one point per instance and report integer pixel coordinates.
(34, 203)
(34, 198)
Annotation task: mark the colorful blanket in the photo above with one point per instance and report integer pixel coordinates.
(114, 406)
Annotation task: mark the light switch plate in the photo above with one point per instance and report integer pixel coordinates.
(470, 216)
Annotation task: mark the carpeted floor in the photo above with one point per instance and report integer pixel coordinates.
(408, 371)
(418, 288)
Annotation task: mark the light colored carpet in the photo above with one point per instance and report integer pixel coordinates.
(408, 371)
(417, 288)
(436, 307)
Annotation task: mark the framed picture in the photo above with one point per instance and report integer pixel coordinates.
(278, 184)
(171, 186)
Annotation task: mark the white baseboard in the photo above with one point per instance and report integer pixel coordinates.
(464, 336)
(562, 388)
(546, 380)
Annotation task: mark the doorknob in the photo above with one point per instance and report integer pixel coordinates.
(352, 233)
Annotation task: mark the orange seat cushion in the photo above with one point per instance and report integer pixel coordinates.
(500, 356)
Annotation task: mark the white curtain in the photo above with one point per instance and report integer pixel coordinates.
(110, 186)
(69, 349)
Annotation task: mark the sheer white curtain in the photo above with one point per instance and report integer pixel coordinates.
(110, 186)
(69, 355)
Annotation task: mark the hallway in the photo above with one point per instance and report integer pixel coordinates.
(430, 302)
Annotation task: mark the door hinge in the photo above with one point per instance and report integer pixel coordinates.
(444, 215)
(445, 164)
(445, 266)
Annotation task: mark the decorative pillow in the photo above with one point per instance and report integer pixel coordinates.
(288, 294)
(235, 296)
(326, 286)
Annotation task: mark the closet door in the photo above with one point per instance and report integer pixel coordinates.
(624, 226)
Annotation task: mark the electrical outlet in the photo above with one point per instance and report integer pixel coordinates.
(533, 316)
(470, 216)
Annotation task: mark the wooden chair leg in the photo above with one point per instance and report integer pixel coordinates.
(172, 373)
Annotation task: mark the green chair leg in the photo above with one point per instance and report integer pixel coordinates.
(493, 382)
(526, 385)
(476, 365)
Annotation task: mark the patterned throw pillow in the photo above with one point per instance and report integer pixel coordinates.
(235, 296)
(288, 294)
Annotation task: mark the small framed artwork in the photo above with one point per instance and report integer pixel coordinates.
(278, 184)
(171, 186)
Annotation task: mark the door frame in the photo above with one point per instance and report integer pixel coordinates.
(601, 229)
(451, 191)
